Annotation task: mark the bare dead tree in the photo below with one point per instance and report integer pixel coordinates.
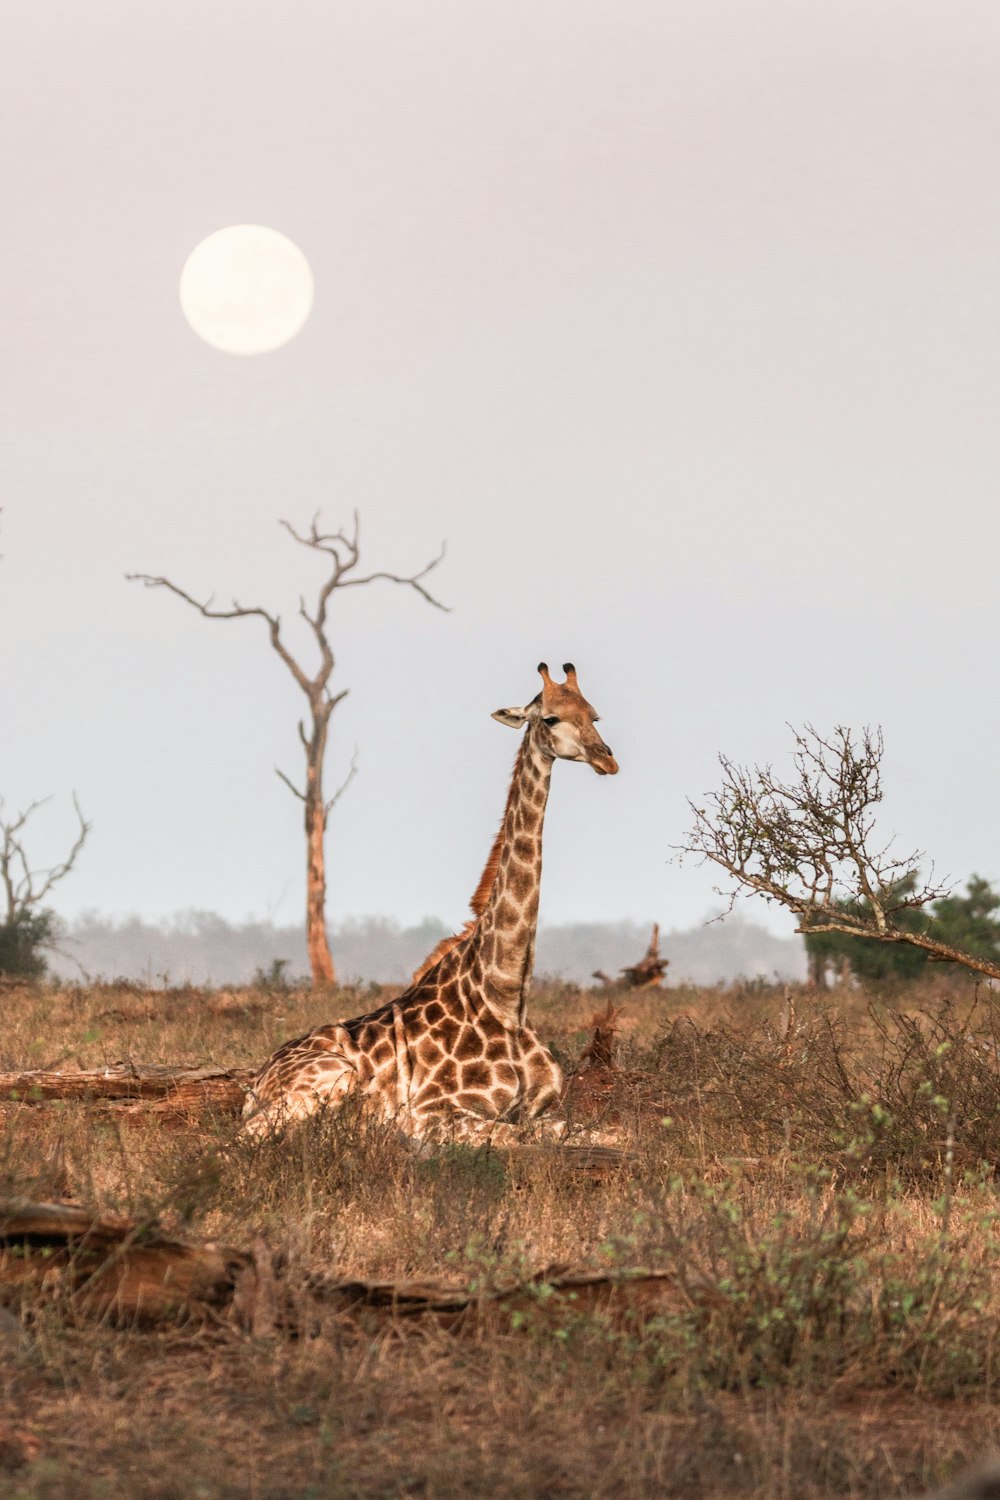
(27, 925)
(810, 844)
(343, 550)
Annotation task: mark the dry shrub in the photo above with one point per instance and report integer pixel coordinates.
(888, 1098)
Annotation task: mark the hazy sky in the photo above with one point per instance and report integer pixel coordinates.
(679, 321)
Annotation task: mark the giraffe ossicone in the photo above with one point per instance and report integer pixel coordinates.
(454, 1056)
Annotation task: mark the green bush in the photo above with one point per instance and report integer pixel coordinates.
(22, 941)
(969, 922)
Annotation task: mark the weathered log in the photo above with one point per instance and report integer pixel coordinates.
(549, 1293)
(104, 1265)
(110, 1266)
(181, 1089)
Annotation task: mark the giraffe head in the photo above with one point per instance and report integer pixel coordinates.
(562, 722)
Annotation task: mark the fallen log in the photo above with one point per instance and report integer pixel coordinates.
(130, 1271)
(182, 1089)
(105, 1265)
(549, 1294)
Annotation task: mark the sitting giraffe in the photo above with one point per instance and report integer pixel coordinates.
(454, 1055)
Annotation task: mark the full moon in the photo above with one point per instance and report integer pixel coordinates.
(246, 289)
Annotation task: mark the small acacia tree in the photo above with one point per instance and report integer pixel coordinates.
(343, 551)
(810, 844)
(28, 926)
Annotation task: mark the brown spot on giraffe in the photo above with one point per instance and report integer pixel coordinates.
(520, 883)
(477, 1075)
(446, 1033)
(469, 1044)
(446, 1075)
(455, 1054)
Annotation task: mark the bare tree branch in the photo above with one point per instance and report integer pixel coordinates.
(342, 788)
(346, 551)
(238, 612)
(414, 580)
(25, 887)
(810, 844)
(290, 785)
(57, 872)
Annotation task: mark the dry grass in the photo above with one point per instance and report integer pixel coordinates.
(820, 1178)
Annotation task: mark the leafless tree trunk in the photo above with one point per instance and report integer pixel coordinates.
(809, 844)
(344, 552)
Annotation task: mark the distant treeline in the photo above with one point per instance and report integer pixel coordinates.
(201, 948)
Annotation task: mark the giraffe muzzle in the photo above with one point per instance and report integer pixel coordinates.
(604, 762)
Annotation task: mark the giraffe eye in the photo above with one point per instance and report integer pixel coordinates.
(552, 719)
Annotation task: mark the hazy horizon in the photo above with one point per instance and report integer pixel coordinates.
(200, 947)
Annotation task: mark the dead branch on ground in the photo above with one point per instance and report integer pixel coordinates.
(132, 1271)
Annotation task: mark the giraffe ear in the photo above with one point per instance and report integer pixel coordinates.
(512, 717)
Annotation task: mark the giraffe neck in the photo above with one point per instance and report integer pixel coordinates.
(503, 942)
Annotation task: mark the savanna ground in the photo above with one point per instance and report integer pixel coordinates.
(820, 1175)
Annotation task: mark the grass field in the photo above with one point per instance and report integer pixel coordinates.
(818, 1172)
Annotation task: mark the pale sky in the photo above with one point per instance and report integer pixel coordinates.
(679, 321)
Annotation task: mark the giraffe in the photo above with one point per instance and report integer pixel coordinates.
(454, 1056)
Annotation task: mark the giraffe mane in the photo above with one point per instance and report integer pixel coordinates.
(487, 880)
